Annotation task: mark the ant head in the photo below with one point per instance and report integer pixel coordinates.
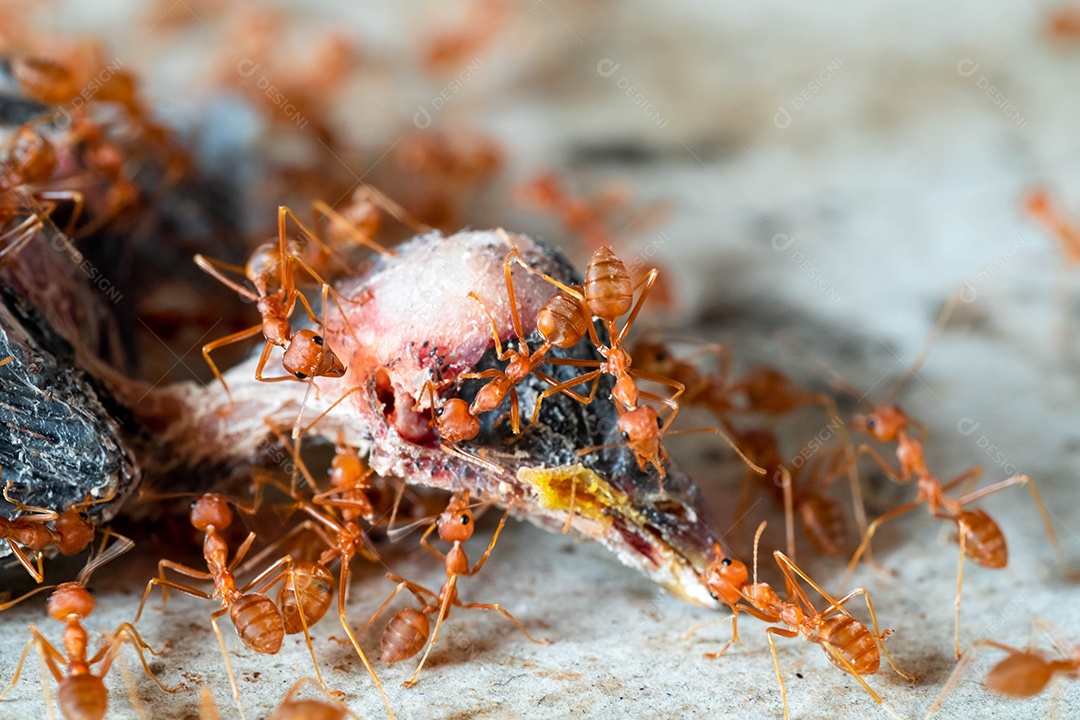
(725, 577)
(456, 522)
(68, 599)
(883, 423)
(75, 532)
(455, 421)
(308, 355)
(640, 428)
(211, 510)
(653, 356)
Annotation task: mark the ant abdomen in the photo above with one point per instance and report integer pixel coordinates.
(561, 320)
(404, 635)
(823, 523)
(1020, 675)
(258, 623)
(984, 542)
(609, 291)
(314, 586)
(849, 645)
(83, 697)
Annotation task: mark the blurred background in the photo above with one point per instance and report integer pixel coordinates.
(814, 182)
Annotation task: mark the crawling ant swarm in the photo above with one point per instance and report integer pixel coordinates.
(450, 372)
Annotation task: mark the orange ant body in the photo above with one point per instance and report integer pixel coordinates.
(270, 271)
(801, 494)
(257, 620)
(407, 632)
(1023, 673)
(306, 595)
(608, 293)
(28, 163)
(82, 692)
(848, 643)
(980, 537)
(70, 533)
(290, 708)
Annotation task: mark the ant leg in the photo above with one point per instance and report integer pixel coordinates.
(894, 475)
(504, 611)
(343, 591)
(213, 268)
(303, 526)
(565, 391)
(222, 342)
(400, 214)
(127, 631)
(770, 632)
(324, 413)
(962, 531)
(647, 284)
(872, 528)
(564, 386)
(734, 633)
(731, 443)
(428, 546)
(491, 546)
(448, 594)
(16, 601)
(36, 573)
(225, 656)
(167, 584)
(966, 478)
(49, 654)
(495, 326)
(402, 584)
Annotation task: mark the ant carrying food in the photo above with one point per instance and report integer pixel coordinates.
(82, 691)
(407, 632)
(847, 642)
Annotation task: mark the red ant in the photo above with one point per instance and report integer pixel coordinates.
(70, 533)
(306, 595)
(407, 632)
(82, 692)
(1022, 673)
(848, 643)
(979, 536)
(257, 620)
(290, 708)
(801, 494)
(270, 271)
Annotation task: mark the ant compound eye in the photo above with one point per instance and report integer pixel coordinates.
(714, 596)
(659, 422)
(871, 422)
(300, 376)
(662, 356)
(90, 590)
(439, 412)
(317, 339)
(726, 562)
(625, 434)
(464, 519)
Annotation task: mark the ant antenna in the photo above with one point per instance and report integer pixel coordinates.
(757, 538)
(935, 333)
